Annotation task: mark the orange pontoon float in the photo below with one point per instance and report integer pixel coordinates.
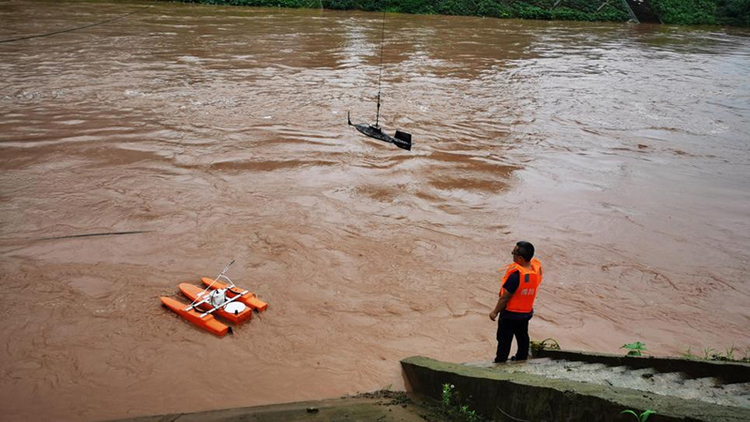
(225, 300)
(207, 322)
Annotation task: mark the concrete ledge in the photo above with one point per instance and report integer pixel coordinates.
(384, 406)
(728, 372)
(495, 394)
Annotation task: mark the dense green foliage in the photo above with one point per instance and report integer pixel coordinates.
(685, 12)
(582, 10)
(733, 12)
(703, 12)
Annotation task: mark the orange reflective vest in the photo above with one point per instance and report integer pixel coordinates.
(522, 300)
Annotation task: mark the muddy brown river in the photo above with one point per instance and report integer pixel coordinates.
(621, 151)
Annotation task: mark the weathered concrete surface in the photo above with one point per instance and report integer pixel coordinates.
(383, 406)
(674, 384)
(729, 372)
(531, 397)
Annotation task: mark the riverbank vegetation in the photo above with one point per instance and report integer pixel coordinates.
(703, 12)
(730, 354)
(680, 12)
(453, 408)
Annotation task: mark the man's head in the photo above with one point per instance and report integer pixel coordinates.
(523, 252)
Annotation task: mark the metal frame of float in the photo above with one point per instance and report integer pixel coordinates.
(243, 298)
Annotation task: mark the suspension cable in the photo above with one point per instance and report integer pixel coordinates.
(380, 72)
(74, 29)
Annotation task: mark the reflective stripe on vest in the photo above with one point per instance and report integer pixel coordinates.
(522, 300)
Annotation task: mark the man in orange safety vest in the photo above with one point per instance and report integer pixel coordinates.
(515, 306)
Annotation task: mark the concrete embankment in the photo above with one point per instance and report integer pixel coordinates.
(573, 386)
(555, 386)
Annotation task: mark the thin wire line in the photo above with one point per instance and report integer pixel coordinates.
(382, 42)
(74, 29)
(515, 419)
(93, 234)
(380, 72)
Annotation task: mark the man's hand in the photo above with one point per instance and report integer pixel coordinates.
(501, 302)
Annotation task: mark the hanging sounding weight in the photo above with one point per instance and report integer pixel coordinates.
(400, 139)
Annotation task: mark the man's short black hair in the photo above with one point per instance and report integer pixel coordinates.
(525, 250)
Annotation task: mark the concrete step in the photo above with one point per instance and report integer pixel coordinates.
(675, 384)
(576, 390)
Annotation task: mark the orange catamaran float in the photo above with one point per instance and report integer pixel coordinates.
(225, 300)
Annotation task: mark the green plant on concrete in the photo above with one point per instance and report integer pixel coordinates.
(454, 409)
(469, 415)
(688, 354)
(447, 396)
(643, 417)
(635, 349)
(730, 354)
(709, 353)
(727, 356)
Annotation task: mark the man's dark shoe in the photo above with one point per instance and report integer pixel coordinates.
(498, 361)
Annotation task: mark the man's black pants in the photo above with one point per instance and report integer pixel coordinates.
(506, 329)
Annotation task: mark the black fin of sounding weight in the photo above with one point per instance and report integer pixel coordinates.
(401, 139)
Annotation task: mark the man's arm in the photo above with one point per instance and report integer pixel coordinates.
(502, 301)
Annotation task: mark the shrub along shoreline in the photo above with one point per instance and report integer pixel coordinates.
(680, 12)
